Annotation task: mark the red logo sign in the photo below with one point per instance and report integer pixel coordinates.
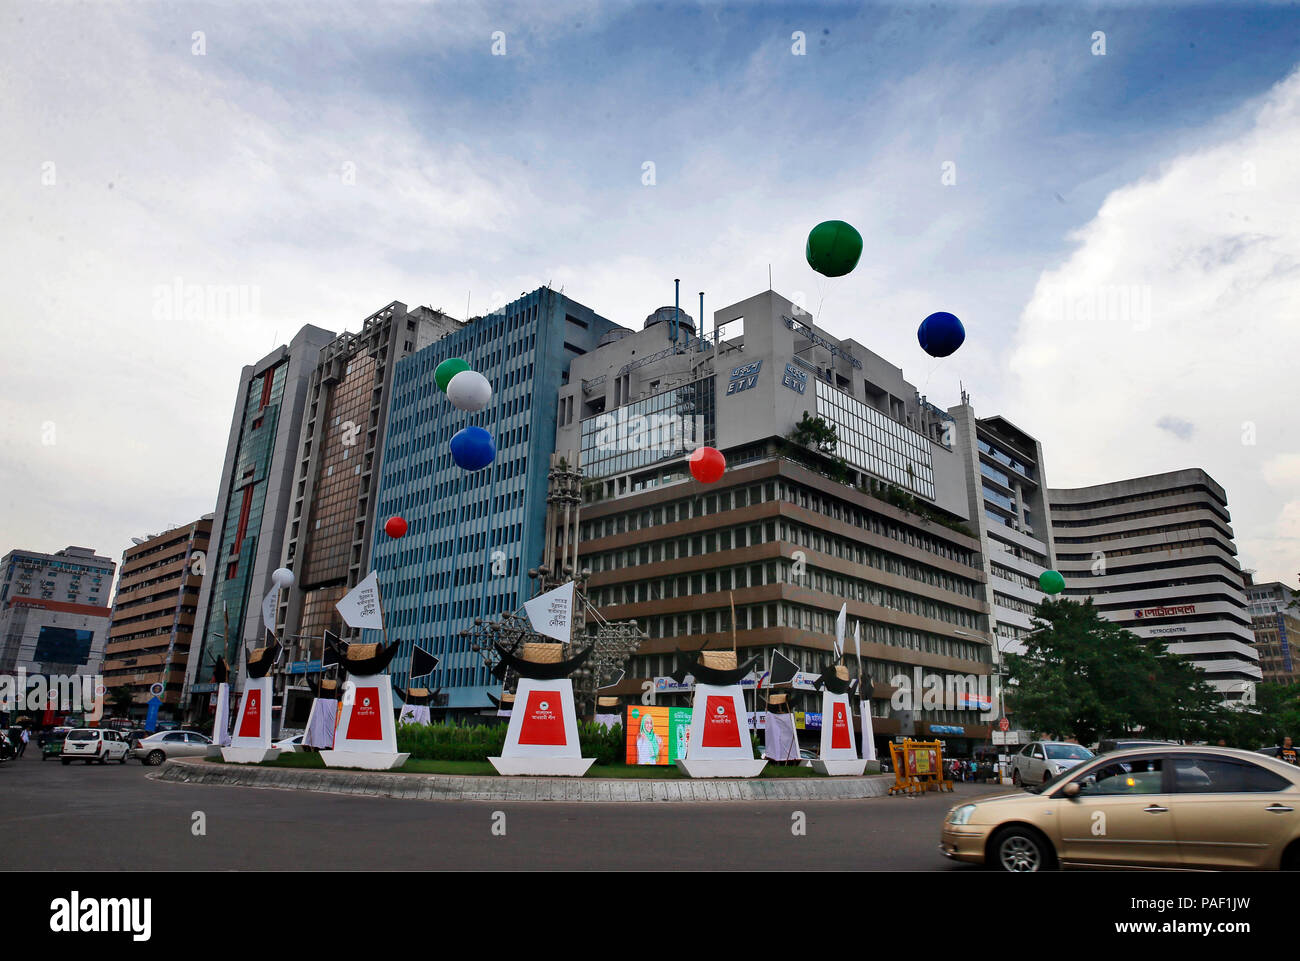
(720, 727)
(543, 719)
(840, 728)
(365, 724)
(250, 725)
(1004, 725)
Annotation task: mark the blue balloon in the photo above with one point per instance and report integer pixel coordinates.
(473, 448)
(941, 334)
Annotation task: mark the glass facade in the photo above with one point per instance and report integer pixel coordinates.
(871, 441)
(472, 536)
(666, 426)
(233, 569)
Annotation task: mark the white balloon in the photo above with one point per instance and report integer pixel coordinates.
(469, 390)
(282, 577)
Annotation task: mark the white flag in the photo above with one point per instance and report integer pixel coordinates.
(857, 643)
(839, 630)
(269, 604)
(360, 606)
(552, 613)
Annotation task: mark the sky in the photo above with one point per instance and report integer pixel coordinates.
(1107, 196)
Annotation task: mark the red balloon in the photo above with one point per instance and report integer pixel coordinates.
(395, 527)
(707, 465)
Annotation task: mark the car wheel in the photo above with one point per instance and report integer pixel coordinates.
(1015, 776)
(1020, 850)
(122, 759)
(1291, 858)
(1047, 776)
(154, 758)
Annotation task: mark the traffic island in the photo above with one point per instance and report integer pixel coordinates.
(453, 787)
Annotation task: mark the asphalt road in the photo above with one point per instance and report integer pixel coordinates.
(112, 817)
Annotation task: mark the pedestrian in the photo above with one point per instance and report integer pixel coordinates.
(1287, 752)
(22, 741)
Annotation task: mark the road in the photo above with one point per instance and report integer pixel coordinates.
(113, 817)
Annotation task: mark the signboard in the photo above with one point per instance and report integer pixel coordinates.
(795, 379)
(1004, 724)
(1011, 737)
(1164, 611)
(745, 377)
(947, 729)
(304, 667)
(657, 735)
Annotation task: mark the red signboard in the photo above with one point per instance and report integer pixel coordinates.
(720, 727)
(365, 724)
(543, 719)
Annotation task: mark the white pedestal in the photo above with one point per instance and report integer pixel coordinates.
(542, 738)
(719, 744)
(366, 721)
(366, 760)
(839, 752)
(250, 742)
(543, 766)
(738, 767)
(840, 768)
(249, 755)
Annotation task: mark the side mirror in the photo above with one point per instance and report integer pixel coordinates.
(1071, 790)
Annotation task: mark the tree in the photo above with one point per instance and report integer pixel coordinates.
(1085, 677)
(120, 699)
(815, 434)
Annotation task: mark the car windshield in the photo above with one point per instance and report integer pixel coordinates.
(1068, 752)
(83, 736)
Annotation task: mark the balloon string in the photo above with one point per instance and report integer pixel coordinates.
(926, 385)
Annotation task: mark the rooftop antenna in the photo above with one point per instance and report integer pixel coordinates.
(769, 277)
(702, 341)
(677, 308)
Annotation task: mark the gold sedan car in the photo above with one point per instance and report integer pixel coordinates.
(1207, 808)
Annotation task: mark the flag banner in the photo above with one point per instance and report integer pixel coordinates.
(868, 736)
(360, 606)
(552, 613)
(608, 721)
(783, 670)
(269, 604)
(840, 623)
(422, 662)
(221, 723)
(331, 655)
(780, 743)
(320, 724)
(414, 714)
(857, 642)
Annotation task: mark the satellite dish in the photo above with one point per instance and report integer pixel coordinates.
(137, 540)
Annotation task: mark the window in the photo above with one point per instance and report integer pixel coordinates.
(1205, 775)
(1136, 776)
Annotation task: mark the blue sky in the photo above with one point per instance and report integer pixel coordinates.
(480, 176)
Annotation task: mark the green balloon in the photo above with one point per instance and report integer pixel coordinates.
(833, 248)
(1051, 582)
(448, 369)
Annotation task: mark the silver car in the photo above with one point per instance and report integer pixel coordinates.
(156, 748)
(1041, 761)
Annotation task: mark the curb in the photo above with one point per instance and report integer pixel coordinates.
(451, 787)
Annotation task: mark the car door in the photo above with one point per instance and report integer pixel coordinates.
(114, 746)
(1037, 762)
(1231, 813)
(195, 745)
(1023, 762)
(1121, 816)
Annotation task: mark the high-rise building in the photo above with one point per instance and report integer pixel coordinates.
(332, 518)
(472, 536)
(252, 511)
(786, 536)
(54, 611)
(1007, 493)
(153, 615)
(1275, 620)
(1156, 555)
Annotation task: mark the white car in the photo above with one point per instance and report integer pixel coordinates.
(1041, 761)
(93, 744)
(290, 743)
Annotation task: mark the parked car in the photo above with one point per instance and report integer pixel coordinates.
(156, 748)
(1040, 761)
(1206, 808)
(293, 743)
(94, 744)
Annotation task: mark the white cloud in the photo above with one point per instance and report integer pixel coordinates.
(1179, 307)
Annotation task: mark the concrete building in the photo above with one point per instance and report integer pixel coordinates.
(54, 611)
(252, 510)
(1276, 624)
(473, 536)
(1007, 495)
(1156, 555)
(153, 615)
(332, 517)
(787, 535)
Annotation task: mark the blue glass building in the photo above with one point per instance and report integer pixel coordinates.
(438, 578)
